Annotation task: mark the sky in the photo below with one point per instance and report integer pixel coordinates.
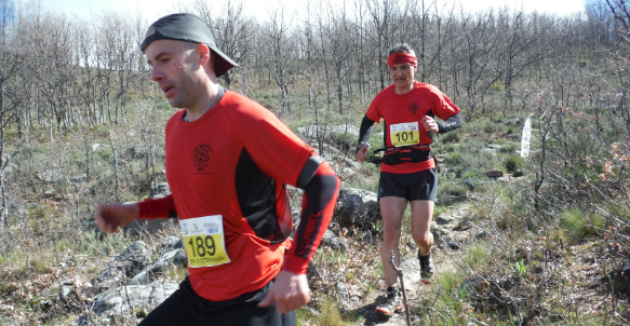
(153, 9)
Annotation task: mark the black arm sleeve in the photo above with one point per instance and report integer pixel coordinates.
(308, 171)
(450, 124)
(365, 131)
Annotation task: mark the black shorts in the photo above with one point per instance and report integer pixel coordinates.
(185, 307)
(421, 185)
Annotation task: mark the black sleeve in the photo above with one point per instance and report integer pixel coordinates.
(365, 132)
(450, 124)
(308, 171)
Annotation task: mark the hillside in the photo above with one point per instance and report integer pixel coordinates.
(541, 240)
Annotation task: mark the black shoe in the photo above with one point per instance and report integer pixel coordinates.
(392, 304)
(426, 268)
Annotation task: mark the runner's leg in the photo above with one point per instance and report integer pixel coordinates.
(421, 217)
(392, 210)
(178, 309)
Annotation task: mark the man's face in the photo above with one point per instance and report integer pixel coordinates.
(402, 74)
(175, 67)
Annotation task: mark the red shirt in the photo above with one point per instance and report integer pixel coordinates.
(208, 164)
(410, 107)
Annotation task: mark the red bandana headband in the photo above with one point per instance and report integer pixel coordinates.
(402, 58)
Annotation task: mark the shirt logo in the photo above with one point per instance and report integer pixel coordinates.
(201, 156)
(413, 108)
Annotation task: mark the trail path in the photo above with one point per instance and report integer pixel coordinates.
(444, 260)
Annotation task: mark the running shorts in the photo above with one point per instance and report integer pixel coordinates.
(421, 185)
(185, 307)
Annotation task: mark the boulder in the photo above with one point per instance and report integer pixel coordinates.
(357, 206)
(170, 243)
(342, 292)
(118, 300)
(445, 219)
(167, 262)
(131, 261)
(331, 240)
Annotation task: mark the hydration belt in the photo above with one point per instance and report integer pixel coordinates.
(406, 154)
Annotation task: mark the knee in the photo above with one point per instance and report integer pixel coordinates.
(391, 233)
(423, 237)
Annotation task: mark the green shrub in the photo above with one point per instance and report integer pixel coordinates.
(453, 158)
(450, 147)
(513, 163)
(510, 147)
(451, 137)
(489, 127)
(580, 224)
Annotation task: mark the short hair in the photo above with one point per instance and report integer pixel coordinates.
(402, 47)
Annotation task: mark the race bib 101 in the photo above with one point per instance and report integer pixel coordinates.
(404, 134)
(204, 241)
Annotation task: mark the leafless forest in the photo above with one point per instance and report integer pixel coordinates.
(81, 123)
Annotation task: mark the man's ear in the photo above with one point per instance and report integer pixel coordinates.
(205, 54)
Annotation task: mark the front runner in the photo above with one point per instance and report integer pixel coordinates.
(228, 160)
(408, 172)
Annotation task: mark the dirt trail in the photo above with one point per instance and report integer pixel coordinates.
(444, 260)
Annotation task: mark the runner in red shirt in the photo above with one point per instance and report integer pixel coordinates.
(408, 172)
(228, 161)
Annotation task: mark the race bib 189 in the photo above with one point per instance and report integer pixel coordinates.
(404, 134)
(204, 241)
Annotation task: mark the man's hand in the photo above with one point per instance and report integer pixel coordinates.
(110, 217)
(289, 291)
(430, 124)
(362, 154)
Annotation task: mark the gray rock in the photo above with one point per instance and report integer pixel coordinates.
(170, 243)
(126, 265)
(52, 176)
(462, 211)
(490, 151)
(161, 190)
(437, 236)
(144, 226)
(496, 147)
(65, 292)
(513, 137)
(412, 245)
(357, 206)
(331, 240)
(445, 219)
(343, 294)
(77, 179)
(118, 300)
(411, 272)
(453, 245)
(174, 258)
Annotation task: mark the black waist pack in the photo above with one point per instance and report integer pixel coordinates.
(398, 155)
